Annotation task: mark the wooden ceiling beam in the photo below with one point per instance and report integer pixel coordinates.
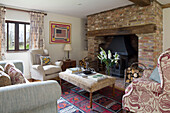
(166, 6)
(140, 29)
(142, 3)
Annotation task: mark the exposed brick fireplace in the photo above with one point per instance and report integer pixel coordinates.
(144, 22)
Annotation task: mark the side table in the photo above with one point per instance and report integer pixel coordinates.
(68, 64)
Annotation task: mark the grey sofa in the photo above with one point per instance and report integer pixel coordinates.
(35, 97)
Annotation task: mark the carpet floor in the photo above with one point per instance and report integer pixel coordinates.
(76, 100)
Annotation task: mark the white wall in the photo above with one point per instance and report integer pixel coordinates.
(55, 50)
(166, 28)
(24, 17)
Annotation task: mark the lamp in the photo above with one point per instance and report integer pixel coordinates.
(67, 48)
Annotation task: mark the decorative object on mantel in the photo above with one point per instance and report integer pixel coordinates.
(83, 63)
(59, 32)
(108, 60)
(67, 48)
(134, 71)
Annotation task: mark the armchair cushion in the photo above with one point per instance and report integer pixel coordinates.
(37, 58)
(155, 75)
(51, 69)
(45, 60)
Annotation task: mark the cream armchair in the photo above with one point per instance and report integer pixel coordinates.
(39, 72)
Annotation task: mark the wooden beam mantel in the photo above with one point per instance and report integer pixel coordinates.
(142, 2)
(166, 5)
(140, 29)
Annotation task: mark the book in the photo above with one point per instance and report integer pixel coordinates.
(73, 70)
(97, 77)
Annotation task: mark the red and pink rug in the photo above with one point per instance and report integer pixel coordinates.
(76, 100)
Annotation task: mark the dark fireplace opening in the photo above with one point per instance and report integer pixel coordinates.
(126, 46)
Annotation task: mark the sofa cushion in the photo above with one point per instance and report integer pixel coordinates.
(45, 60)
(4, 79)
(16, 76)
(50, 69)
(8, 65)
(1, 68)
(155, 75)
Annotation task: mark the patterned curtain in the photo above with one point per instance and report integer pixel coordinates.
(2, 33)
(36, 31)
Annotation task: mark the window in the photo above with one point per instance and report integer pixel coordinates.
(17, 35)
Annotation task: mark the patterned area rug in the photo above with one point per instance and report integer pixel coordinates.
(66, 107)
(76, 100)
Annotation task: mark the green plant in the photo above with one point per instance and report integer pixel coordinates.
(108, 59)
(27, 46)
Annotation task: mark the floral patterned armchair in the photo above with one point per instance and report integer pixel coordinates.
(147, 96)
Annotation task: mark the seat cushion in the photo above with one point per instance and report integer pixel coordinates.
(50, 69)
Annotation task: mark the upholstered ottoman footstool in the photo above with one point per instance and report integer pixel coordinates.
(88, 83)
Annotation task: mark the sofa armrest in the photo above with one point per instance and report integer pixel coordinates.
(23, 97)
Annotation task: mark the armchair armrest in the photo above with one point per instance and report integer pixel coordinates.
(147, 73)
(38, 67)
(147, 85)
(23, 97)
(58, 63)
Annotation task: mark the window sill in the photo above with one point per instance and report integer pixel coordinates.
(21, 51)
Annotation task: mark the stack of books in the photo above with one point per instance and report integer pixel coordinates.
(73, 70)
(97, 77)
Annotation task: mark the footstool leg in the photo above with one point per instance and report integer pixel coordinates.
(90, 99)
(113, 89)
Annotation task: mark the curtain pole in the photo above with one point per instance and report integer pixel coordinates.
(24, 10)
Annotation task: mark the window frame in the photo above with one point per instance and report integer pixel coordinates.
(16, 36)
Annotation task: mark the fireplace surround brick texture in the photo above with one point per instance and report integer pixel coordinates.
(149, 45)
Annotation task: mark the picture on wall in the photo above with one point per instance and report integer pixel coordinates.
(60, 32)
